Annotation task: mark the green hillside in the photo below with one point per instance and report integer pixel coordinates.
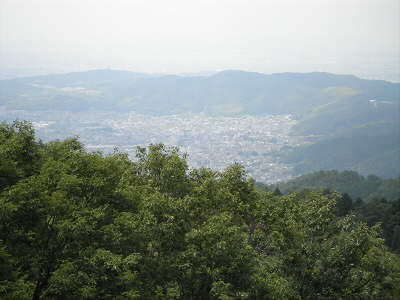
(356, 120)
(323, 103)
(89, 78)
(254, 93)
(350, 182)
(379, 155)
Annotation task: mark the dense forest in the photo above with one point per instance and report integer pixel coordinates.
(350, 182)
(374, 200)
(85, 225)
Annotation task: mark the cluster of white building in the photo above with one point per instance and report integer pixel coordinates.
(255, 141)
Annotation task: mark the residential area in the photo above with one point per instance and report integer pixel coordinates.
(216, 142)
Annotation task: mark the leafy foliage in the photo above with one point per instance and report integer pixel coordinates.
(19, 153)
(372, 199)
(80, 225)
(383, 212)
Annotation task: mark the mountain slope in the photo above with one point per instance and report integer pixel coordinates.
(350, 182)
(357, 120)
(379, 155)
(306, 96)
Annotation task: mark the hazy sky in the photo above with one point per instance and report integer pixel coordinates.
(200, 35)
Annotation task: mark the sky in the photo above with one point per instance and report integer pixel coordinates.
(174, 36)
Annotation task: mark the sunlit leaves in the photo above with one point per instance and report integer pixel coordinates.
(163, 167)
(19, 152)
(93, 226)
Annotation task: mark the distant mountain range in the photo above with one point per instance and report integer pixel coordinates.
(336, 107)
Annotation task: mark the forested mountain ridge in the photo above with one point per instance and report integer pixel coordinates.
(310, 97)
(372, 199)
(83, 225)
(350, 182)
(77, 79)
(364, 154)
(350, 116)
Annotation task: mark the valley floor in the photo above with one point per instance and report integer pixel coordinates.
(215, 142)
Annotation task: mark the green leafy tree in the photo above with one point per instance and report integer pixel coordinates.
(313, 254)
(218, 261)
(19, 152)
(80, 225)
(163, 167)
(54, 217)
(344, 205)
(386, 213)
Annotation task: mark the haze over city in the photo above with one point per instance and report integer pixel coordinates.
(359, 37)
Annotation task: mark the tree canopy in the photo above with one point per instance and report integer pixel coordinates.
(84, 225)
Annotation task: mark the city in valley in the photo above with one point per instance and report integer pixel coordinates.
(256, 142)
